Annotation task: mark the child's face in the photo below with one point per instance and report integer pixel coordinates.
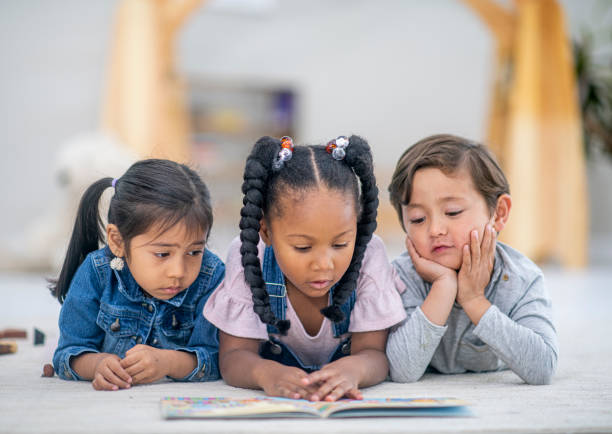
(313, 240)
(442, 212)
(168, 263)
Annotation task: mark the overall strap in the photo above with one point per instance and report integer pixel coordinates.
(275, 285)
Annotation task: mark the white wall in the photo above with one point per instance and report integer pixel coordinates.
(392, 71)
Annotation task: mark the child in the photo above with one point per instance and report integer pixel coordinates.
(132, 310)
(277, 328)
(472, 304)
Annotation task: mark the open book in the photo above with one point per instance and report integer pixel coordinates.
(268, 407)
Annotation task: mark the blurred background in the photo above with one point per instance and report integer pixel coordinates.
(89, 86)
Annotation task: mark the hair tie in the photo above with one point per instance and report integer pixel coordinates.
(285, 153)
(337, 147)
(114, 182)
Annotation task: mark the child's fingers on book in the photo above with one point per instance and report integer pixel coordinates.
(319, 376)
(332, 384)
(288, 392)
(354, 394)
(300, 393)
(335, 394)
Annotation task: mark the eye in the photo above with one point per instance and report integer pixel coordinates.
(195, 252)
(454, 213)
(340, 245)
(161, 254)
(302, 248)
(417, 220)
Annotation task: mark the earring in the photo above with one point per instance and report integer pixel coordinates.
(117, 263)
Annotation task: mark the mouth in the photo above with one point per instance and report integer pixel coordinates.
(173, 290)
(440, 249)
(319, 284)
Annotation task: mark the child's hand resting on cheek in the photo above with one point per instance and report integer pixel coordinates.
(429, 270)
(475, 273)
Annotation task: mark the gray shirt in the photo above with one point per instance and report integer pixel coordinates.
(516, 332)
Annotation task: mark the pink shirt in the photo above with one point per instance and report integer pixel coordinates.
(377, 305)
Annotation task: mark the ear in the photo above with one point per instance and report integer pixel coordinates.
(115, 241)
(264, 232)
(502, 212)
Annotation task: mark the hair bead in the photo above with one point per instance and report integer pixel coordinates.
(285, 153)
(337, 147)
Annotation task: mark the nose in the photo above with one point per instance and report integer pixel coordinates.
(323, 261)
(437, 226)
(176, 268)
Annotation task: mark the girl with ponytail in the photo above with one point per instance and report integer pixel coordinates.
(309, 294)
(132, 309)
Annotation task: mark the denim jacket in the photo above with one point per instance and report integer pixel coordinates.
(276, 350)
(106, 311)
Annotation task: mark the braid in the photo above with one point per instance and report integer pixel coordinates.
(359, 158)
(256, 174)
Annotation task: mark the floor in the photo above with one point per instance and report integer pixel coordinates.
(578, 400)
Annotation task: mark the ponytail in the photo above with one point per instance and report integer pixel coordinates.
(87, 236)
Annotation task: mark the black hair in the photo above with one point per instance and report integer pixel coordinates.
(152, 192)
(309, 168)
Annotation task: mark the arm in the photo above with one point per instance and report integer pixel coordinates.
(412, 345)
(146, 364)
(526, 339)
(78, 356)
(196, 361)
(203, 345)
(242, 366)
(367, 365)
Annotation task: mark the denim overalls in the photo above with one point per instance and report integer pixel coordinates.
(273, 349)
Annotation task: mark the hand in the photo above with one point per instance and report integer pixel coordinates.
(429, 270)
(145, 364)
(476, 268)
(333, 382)
(110, 375)
(288, 382)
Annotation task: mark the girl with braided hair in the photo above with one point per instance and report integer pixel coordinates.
(309, 294)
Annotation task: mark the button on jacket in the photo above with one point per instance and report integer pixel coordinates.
(105, 311)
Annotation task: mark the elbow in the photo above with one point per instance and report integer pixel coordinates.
(545, 374)
(401, 368)
(398, 376)
(401, 372)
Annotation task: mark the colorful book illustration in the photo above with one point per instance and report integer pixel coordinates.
(268, 407)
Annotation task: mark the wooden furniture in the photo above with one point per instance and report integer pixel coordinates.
(535, 129)
(145, 99)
